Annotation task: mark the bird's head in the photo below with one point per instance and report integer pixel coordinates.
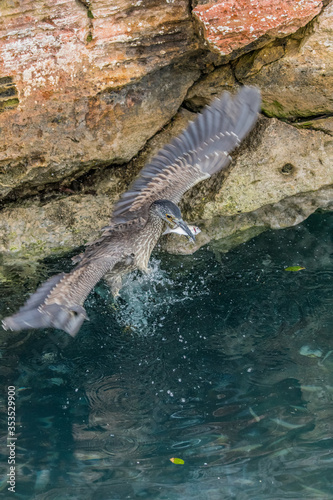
(170, 213)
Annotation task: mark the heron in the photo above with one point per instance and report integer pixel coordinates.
(141, 214)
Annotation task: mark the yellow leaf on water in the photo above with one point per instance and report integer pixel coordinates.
(294, 268)
(178, 461)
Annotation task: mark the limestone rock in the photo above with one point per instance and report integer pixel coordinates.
(301, 83)
(279, 177)
(85, 85)
(277, 163)
(34, 229)
(81, 86)
(322, 124)
(295, 74)
(233, 27)
(210, 86)
(226, 232)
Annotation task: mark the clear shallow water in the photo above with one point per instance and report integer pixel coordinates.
(224, 361)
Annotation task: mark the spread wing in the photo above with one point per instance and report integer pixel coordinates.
(200, 151)
(58, 303)
(196, 154)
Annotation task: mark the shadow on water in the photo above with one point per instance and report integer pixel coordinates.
(222, 360)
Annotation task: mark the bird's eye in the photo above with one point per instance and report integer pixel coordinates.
(168, 216)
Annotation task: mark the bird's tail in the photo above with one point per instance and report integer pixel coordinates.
(38, 312)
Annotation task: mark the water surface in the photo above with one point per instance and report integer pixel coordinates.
(222, 360)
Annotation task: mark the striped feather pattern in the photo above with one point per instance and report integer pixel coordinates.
(199, 152)
(196, 154)
(58, 303)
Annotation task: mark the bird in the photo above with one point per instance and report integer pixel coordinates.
(141, 214)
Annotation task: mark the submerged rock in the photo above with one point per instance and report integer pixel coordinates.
(310, 352)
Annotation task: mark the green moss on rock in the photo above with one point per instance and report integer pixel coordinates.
(9, 104)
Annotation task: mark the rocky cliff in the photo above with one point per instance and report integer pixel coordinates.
(89, 91)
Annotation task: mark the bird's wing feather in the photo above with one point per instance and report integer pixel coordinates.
(58, 303)
(196, 154)
(200, 151)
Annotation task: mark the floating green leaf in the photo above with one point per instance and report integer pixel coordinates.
(178, 461)
(294, 268)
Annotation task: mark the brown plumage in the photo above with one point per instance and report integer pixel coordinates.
(138, 217)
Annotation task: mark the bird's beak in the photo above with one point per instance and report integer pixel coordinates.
(180, 223)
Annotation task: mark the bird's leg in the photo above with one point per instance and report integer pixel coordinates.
(114, 283)
(114, 278)
(143, 267)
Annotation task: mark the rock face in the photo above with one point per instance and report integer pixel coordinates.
(76, 81)
(280, 176)
(85, 86)
(233, 27)
(301, 83)
(58, 224)
(280, 162)
(295, 75)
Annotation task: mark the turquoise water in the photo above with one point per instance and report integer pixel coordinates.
(222, 360)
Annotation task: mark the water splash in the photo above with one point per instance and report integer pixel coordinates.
(222, 370)
(146, 300)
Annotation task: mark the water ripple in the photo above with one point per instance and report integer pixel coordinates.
(222, 360)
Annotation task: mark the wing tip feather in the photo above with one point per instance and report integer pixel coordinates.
(234, 114)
